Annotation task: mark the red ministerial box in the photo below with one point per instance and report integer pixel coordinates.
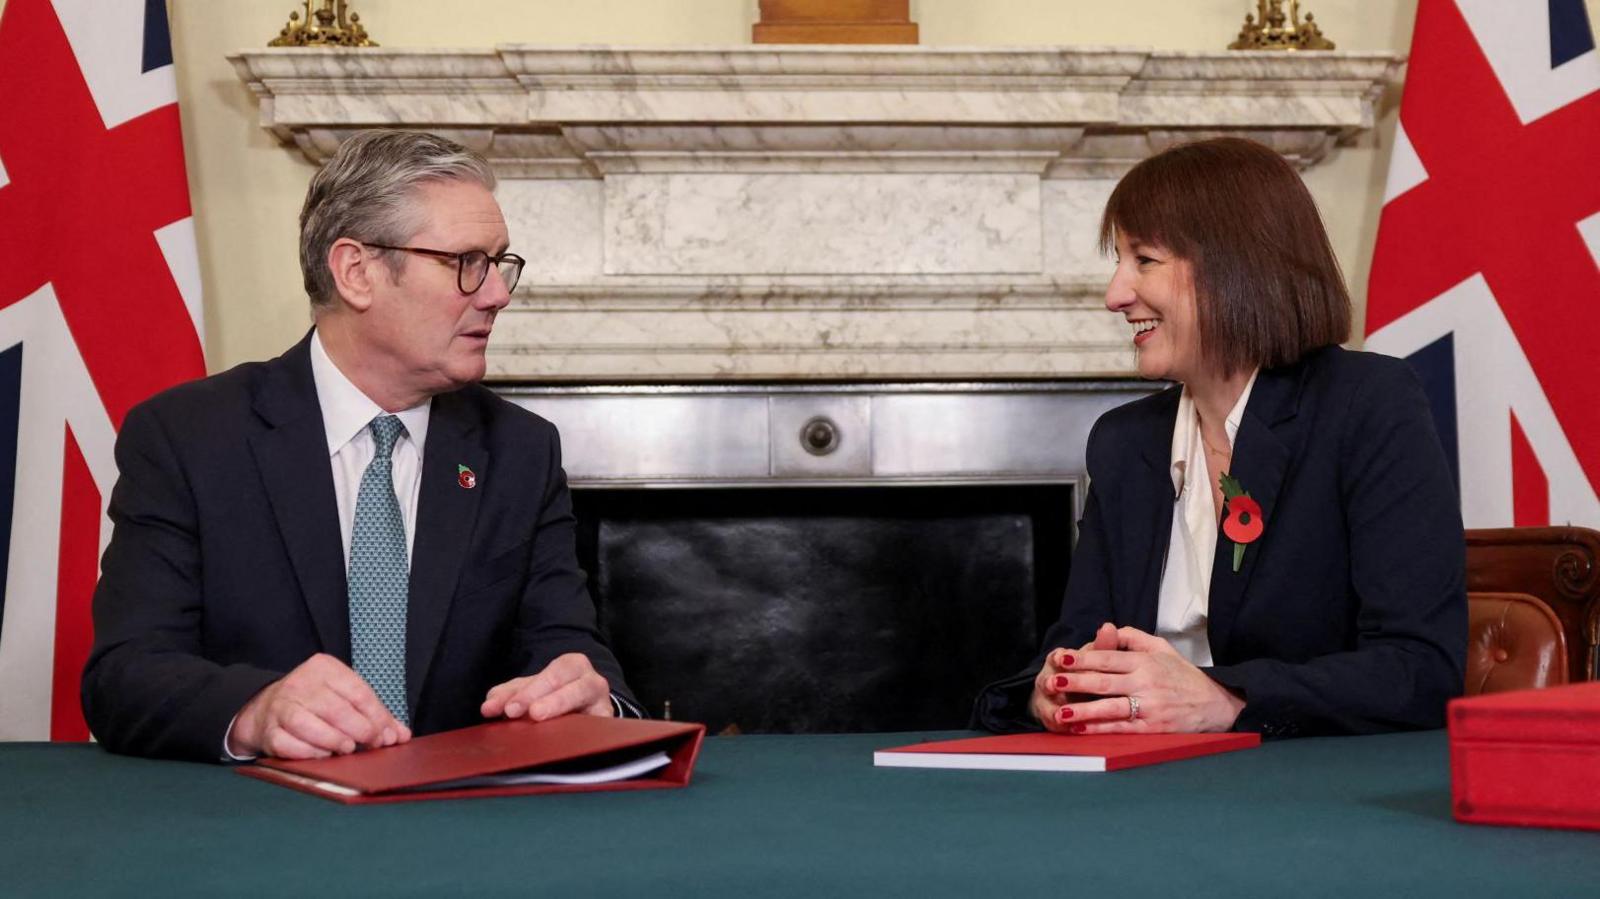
(431, 767)
(1529, 758)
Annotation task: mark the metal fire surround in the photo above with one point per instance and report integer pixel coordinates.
(754, 435)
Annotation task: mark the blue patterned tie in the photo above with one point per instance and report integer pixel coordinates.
(379, 572)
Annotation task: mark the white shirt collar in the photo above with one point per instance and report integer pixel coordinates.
(1186, 430)
(346, 411)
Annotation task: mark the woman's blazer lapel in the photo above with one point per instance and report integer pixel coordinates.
(1269, 438)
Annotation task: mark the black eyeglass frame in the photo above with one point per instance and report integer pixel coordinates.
(461, 264)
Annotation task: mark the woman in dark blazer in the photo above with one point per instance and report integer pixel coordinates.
(1273, 544)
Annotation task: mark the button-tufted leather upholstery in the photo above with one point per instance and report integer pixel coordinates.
(1560, 569)
(1514, 642)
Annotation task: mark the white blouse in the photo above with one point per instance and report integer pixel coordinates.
(1185, 598)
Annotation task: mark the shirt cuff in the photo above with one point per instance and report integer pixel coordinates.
(622, 708)
(227, 754)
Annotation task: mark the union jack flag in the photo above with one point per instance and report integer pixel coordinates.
(1486, 274)
(99, 308)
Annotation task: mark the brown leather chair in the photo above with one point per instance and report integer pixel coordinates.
(1514, 642)
(1559, 566)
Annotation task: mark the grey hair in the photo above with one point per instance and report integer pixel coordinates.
(365, 192)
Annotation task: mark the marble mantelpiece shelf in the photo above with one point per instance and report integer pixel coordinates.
(768, 101)
(810, 212)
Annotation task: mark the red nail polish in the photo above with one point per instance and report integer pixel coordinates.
(1064, 714)
(1066, 659)
(1078, 728)
(1058, 683)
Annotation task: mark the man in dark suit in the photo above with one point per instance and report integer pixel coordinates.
(354, 541)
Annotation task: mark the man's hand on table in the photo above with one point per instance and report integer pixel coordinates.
(568, 684)
(319, 709)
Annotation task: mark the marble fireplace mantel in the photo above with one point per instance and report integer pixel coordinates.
(800, 213)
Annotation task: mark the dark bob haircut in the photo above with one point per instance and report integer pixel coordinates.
(1267, 287)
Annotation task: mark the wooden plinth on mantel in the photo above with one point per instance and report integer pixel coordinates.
(835, 22)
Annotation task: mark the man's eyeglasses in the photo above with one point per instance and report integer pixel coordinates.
(472, 267)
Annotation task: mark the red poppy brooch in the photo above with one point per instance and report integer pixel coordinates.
(1243, 524)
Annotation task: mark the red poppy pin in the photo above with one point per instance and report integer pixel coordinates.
(465, 477)
(1243, 524)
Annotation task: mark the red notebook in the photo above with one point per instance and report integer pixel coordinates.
(474, 761)
(1061, 752)
(1529, 757)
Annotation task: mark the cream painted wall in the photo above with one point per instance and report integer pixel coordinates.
(247, 189)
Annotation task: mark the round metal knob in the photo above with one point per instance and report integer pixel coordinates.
(1500, 655)
(819, 436)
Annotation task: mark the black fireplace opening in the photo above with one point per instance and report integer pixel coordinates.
(824, 609)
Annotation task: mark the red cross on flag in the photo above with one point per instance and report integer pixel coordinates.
(1487, 269)
(99, 309)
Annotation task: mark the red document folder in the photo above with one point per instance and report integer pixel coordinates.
(1061, 752)
(498, 747)
(1529, 757)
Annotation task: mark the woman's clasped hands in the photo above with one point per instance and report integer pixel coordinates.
(1128, 681)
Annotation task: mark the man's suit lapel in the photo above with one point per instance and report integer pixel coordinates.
(446, 514)
(1150, 507)
(1268, 439)
(292, 454)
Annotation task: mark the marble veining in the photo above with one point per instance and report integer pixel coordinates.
(817, 224)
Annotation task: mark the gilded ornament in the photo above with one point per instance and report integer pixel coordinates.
(1271, 29)
(329, 25)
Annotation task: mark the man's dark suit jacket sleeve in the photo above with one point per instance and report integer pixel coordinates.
(556, 615)
(1003, 706)
(148, 688)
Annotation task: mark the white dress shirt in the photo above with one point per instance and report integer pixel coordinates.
(346, 413)
(1185, 600)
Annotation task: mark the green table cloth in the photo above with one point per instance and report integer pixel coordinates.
(794, 815)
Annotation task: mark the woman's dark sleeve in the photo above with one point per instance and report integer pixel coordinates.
(1003, 705)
